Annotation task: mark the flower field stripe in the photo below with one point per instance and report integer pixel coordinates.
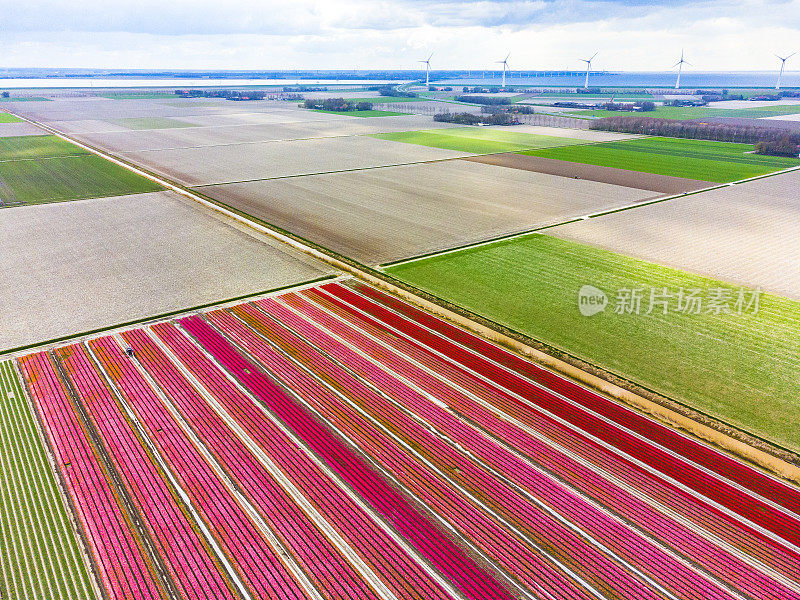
(538, 478)
(468, 402)
(221, 514)
(525, 564)
(39, 547)
(585, 552)
(183, 552)
(699, 467)
(406, 578)
(256, 550)
(602, 459)
(318, 556)
(470, 579)
(122, 566)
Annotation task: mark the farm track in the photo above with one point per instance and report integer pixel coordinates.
(339, 443)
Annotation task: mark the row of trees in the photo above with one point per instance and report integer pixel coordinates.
(391, 92)
(499, 118)
(337, 105)
(783, 146)
(238, 95)
(489, 101)
(723, 132)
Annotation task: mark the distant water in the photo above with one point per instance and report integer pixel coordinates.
(145, 82)
(689, 79)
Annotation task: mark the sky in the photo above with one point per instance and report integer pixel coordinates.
(395, 34)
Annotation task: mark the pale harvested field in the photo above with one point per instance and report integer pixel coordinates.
(195, 137)
(737, 104)
(747, 234)
(386, 214)
(76, 266)
(795, 117)
(244, 162)
(19, 129)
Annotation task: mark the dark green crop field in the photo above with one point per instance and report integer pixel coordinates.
(36, 146)
(69, 178)
(741, 368)
(719, 162)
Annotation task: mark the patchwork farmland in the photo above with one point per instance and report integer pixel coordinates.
(206, 418)
(336, 442)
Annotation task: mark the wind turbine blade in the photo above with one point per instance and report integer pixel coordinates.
(593, 55)
(677, 63)
(506, 58)
(430, 57)
(686, 62)
(790, 56)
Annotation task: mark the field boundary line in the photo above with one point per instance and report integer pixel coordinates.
(80, 336)
(601, 213)
(520, 344)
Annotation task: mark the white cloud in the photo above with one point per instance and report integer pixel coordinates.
(311, 34)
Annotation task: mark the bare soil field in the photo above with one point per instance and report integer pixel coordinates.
(76, 266)
(264, 160)
(19, 130)
(195, 137)
(386, 214)
(791, 122)
(664, 184)
(748, 233)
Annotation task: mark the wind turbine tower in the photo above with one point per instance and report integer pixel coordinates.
(680, 64)
(783, 64)
(588, 62)
(427, 69)
(504, 62)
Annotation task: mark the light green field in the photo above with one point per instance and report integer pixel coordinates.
(478, 140)
(386, 99)
(25, 99)
(36, 146)
(143, 96)
(151, 123)
(362, 113)
(68, 178)
(739, 368)
(719, 162)
(7, 118)
(41, 557)
(682, 113)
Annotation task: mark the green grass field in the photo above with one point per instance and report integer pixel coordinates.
(151, 123)
(718, 162)
(69, 178)
(142, 96)
(41, 557)
(385, 99)
(478, 140)
(362, 113)
(7, 118)
(740, 368)
(36, 146)
(26, 99)
(682, 113)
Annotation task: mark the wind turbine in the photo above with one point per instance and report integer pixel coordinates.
(680, 64)
(783, 64)
(427, 69)
(504, 62)
(588, 62)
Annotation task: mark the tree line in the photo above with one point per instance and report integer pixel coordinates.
(499, 118)
(337, 105)
(722, 132)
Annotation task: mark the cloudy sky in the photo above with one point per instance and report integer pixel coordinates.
(393, 34)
